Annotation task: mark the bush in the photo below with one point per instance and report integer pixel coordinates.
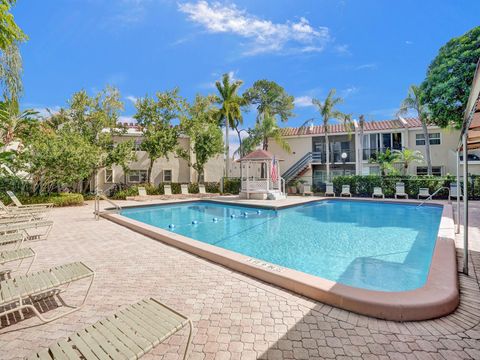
(58, 200)
(14, 184)
(231, 185)
(363, 185)
(123, 193)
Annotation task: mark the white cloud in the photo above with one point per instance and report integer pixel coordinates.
(369, 66)
(303, 101)
(264, 35)
(408, 42)
(343, 49)
(132, 98)
(349, 91)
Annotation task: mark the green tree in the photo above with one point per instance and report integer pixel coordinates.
(414, 101)
(10, 33)
(206, 139)
(271, 98)
(230, 113)
(266, 128)
(11, 73)
(385, 160)
(57, 160)
(155, 117)
(328, 112)
(15, 124)
(407, 157)
(446, 87)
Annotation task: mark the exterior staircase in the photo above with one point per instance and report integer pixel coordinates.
(301, 166)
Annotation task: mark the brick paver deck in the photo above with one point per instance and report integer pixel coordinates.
(235, 316)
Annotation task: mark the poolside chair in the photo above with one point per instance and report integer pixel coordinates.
(184, 189)
(167, 190)
(12, 240)
(40, 211)
(423, 193)
(18, 204)
(329, 190)
(201, 189)
(346, 191)
(27, 227)
(7, 256)
(130, 333)
(454, 191)
(142, 191)
(378, 192)
(31, 287)
(307, 190)
(400, 190)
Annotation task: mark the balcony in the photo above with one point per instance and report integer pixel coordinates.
(320, 157)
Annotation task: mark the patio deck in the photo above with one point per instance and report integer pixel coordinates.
(235, 316)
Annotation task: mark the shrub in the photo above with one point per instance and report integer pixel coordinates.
(231, 185)
(14, 184)
(58, 200)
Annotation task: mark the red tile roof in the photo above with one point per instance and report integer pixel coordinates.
(258, 155)
(340, 128)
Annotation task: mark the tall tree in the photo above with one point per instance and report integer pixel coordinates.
(206, 139)
(155, 117)
(15, 124)
(414, 101)
(271, 98)
(328, 112)
(407, 157)
(9, 30)
(385, 160)
(361, 125)
(230, 113)
(446, 87)
(11, 73)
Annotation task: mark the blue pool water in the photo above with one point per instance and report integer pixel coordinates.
(378, 246)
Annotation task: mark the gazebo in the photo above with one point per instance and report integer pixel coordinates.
(260, 177)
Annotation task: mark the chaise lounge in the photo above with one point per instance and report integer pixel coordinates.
(128, 334)
(378, 192)
(400, 190)
(19, 205)
(329, 190)
(346, 191)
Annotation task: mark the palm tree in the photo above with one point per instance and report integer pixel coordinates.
(361, 125)
(414, 102)
(230, 113)
(407, 156)
(14, 123)
(385, 160)
(327, 111)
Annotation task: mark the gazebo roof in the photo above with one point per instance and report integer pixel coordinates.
(258, 155)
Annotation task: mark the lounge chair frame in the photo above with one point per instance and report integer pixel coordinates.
(18, 303)
(28, 225)
(167, 190)
(423, 193)
(184, 189)
(307, 190)
(402, 192)
(346, 191)
(19, 204)
(329, 190)
(19, 255)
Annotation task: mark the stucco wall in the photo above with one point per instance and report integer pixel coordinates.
(299, 147)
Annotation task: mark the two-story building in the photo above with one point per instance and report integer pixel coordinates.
(173, 169)
(307, 159)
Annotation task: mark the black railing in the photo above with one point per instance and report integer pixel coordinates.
(371, 154)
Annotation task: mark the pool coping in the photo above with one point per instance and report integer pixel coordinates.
(438, 297)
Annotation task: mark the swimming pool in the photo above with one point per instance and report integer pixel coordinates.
(362, 244)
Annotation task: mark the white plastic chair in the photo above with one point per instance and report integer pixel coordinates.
(423, 193)
(400, 190)
(346, 191)
(378, 192)
(329, 190)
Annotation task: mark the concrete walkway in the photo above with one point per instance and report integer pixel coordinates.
(235, 316)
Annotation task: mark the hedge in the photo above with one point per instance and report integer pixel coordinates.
(210, 187)
(231, 185)
(58, 200)
(15, 184)
(363, 185)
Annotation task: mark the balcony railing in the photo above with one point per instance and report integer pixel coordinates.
(335, 156)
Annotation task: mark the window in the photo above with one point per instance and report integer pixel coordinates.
(423, 170)
(434, 139)
(137, 176)
(109, 175)
(167, 175)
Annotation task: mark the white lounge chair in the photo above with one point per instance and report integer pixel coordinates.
(378, 192)
(184, 189)
(346, 191)
(329, 190)
(307, 190)
(32, 287)
(40, 211)
(27, 227)
(18, 204)
(167, 190)
(400, 190)
(453, 191)
(130, 333)
(7, 256)
(423, 193)
(142, 191)
(201, 189)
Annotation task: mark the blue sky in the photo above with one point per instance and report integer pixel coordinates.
(370, 51)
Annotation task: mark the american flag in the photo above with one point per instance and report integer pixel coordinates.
(274, 170)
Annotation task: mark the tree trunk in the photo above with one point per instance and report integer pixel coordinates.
(240, 150)
(427, 147)
(150, 167)
(199, 175)
(265, 143)
(327, 152)
(227, 148)
(360, 150)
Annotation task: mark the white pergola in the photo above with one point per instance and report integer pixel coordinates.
(256, 180)
(469, 140)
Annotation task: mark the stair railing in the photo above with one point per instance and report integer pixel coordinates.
(96, 210)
